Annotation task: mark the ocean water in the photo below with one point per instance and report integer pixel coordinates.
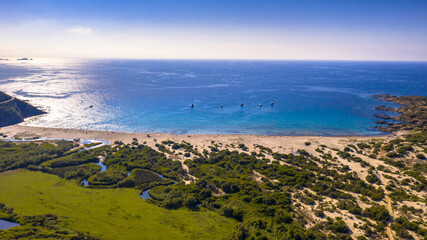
(330, 98)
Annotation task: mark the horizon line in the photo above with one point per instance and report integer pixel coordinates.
(211, 59)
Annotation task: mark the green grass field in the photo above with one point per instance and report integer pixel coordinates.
(106, 213)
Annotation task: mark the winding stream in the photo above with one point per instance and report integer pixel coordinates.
(6, 224)
(146, 195)
(82, 141)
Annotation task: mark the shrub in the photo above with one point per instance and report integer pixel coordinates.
(319, 213)
(377, 212)
(243, 147)
(372, 178)
(392, 155)
(227, 211)
(339, 226)
(404, 149)
(362, 145)
(238, 214)
(190, 201)
(176, 146)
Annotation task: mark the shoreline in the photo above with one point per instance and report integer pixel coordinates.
(285, 144)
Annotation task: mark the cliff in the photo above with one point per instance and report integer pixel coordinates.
(13, 110)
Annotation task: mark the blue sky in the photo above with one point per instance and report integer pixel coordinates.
(342, 30)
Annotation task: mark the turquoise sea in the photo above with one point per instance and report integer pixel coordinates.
(310, 97)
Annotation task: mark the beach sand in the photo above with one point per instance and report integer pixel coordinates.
(281, 144)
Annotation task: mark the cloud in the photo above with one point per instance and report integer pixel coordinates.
(79, 30)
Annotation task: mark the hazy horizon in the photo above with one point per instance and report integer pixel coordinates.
(215, 30)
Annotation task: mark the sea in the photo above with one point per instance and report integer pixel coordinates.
(322, 98)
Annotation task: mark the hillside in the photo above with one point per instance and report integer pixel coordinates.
(14, 111)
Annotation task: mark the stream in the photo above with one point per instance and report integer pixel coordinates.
(146, 195)
(82, 141)
(6, 224)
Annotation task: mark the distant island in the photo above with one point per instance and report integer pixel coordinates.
(13, 110)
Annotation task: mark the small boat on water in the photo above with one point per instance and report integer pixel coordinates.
(91, 106)
(260, 105)
(192, 105)
(272, 103)
(222, 105)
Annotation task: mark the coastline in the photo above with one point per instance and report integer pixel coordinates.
(284, 144)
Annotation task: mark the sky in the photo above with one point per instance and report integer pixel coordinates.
(219, 29)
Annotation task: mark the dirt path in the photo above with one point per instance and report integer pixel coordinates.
(185, 167)
(390, 210)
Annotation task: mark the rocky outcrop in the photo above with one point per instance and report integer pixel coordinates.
(413, 114)
(13, 110)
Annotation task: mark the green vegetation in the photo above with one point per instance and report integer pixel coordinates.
(229, 191)
(45, 226)
(106, 213)
(17, 155)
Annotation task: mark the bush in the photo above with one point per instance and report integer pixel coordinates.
(420, 156)
(339, 226)
(362, 145)
(243, 147)
(190, 201)
(319, 213)
(392, 155)
(228, 187)
(377, 212)
(372, 178)
(176, 146)
(172, 203)
(238, 215)
(309, 201)
(404, 149)
(227, 211)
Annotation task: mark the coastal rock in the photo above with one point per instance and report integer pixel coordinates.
(382, 116)
(413, 114)
(385, 108)
(13, 111)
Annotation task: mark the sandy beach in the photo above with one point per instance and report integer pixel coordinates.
(281, 144)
